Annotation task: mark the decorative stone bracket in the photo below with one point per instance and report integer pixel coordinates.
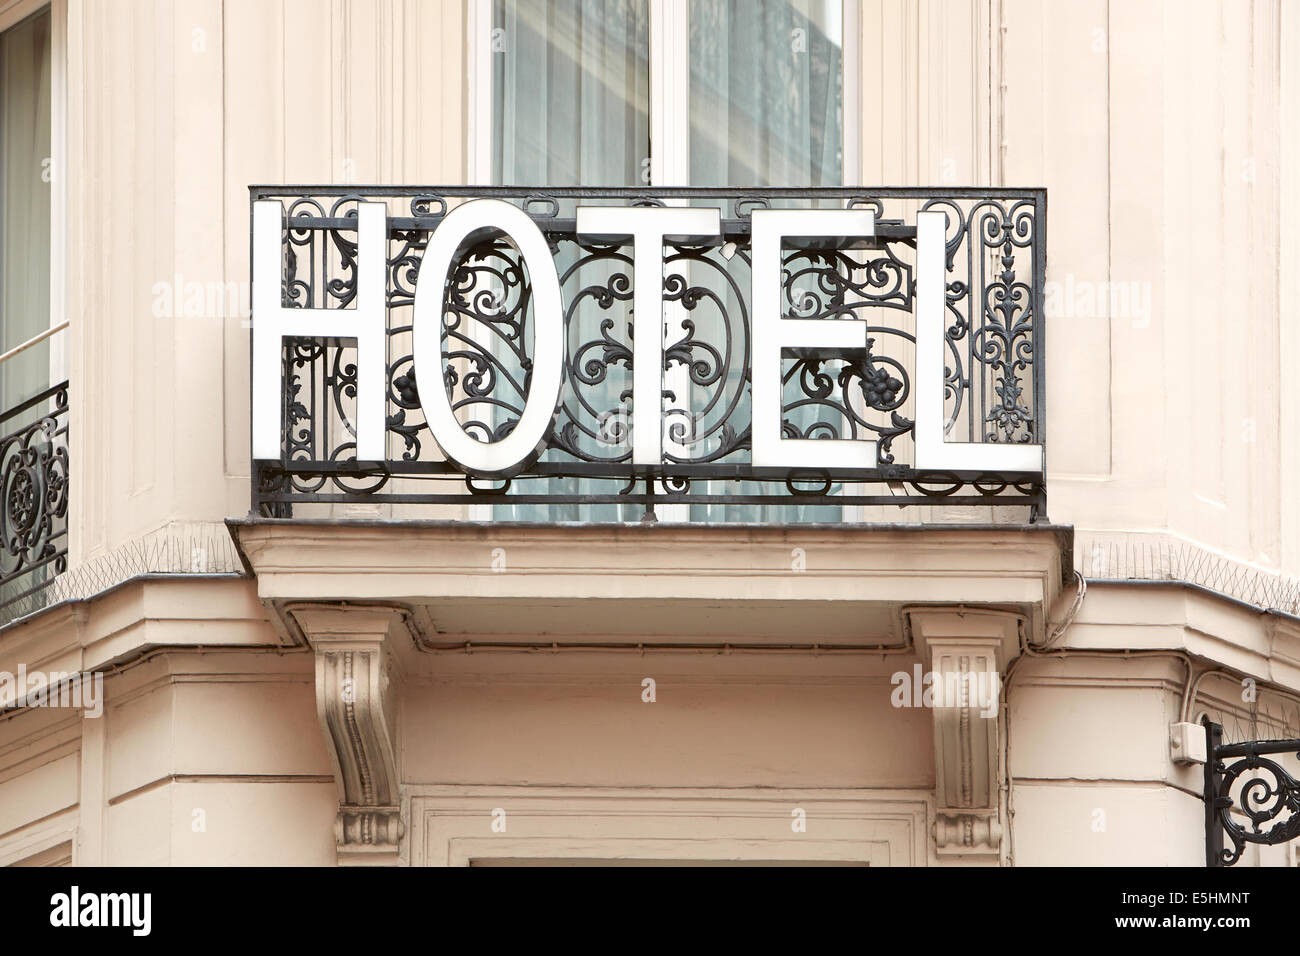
(967, 650)
(354, 666)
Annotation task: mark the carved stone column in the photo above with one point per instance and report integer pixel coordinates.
(967, 650)
(356, 709)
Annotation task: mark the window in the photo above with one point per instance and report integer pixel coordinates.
(730, 93)
(25, 197)
(681, 92)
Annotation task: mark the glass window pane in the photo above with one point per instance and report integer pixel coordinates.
(571, 107)
(570, 92)
(24, 205)
(766, 93)
(766, 110)
(24, 237)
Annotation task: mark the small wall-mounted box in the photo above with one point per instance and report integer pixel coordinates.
(1187, 743)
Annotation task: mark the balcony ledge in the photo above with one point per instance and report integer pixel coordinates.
(597, 583)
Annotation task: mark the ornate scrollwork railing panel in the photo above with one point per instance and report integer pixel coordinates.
(993, 382)
(34, 484)
(1250, 796)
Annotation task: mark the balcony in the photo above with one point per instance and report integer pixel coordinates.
(806, 353)
(952, 327)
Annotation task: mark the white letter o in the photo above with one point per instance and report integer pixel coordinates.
(526, 442)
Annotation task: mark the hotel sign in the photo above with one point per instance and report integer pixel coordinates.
(598, 346)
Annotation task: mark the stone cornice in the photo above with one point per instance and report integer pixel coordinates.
(507, 578)
(143, 614)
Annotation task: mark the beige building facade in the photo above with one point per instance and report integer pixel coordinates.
(391, 682)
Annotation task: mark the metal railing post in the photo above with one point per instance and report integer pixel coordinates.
(1213, 831)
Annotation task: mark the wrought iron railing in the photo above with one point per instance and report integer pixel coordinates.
(34, 483)
(993, 383)
(1249, 797)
